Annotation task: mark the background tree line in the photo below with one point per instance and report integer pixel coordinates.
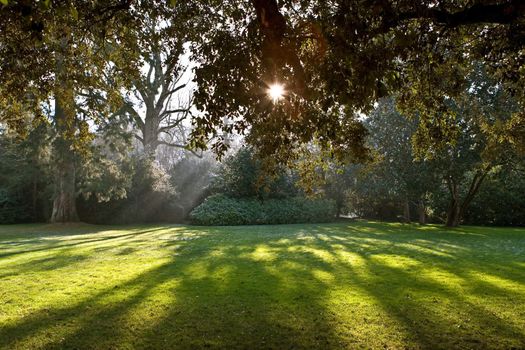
(476, 178)
(97, 111)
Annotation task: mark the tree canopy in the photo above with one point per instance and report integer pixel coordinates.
(333, 58)
(336, 58)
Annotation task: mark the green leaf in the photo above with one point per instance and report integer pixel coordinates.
(47, 3)
(74, 13)
(6, 1)
(173, 2)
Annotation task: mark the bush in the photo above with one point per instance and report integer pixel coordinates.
(222, 210)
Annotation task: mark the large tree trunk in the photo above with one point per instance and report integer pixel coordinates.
(64, 200)
(150, 136)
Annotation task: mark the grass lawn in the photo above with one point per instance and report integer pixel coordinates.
(329, 286)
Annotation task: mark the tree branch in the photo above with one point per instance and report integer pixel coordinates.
(170, 126)
(172, 91)
(171, 111)
(502, 13)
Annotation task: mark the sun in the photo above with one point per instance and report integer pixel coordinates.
(276, 91)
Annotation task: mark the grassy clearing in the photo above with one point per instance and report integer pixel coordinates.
(324, 286)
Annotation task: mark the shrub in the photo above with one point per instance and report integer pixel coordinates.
(223, 210)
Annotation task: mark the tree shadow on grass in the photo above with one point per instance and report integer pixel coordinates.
(293, 287)
(197, 299)
(46, 263)
(413, 294)
(437, 315)
(245, 306)
(52, 243)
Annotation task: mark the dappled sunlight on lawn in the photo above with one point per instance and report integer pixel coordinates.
(294, 286)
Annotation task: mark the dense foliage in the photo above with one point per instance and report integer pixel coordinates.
(24, 178)
(243, 175)
(222, 210)
(501, 201)
(475, 178)
(336, 58)
(148, 183)
(245, 193)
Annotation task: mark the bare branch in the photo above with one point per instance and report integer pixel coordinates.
(172, 91)
(172, 111)
(171, 125)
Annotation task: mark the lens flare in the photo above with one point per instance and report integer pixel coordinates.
(276, 91)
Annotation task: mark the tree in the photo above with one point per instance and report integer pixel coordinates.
(408, 179)
(500, 200)
(478, 121)
(71, 48)
(335, 59)
(24, 176)
(461, 145)
(243, 175)
(161, 117)
(158, 103)
(393, 182)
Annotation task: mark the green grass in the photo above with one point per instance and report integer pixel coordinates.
(345, 285)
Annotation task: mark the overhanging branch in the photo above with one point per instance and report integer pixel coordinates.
(503, 13)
